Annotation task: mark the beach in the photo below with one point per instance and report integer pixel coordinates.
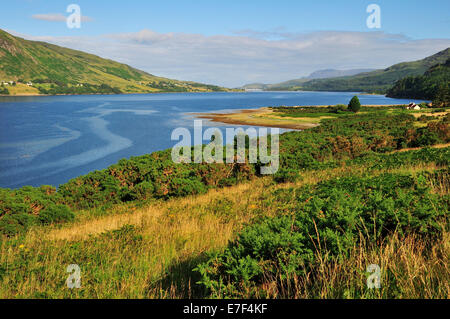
(268, 117)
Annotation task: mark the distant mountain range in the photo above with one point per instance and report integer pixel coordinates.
(53, 69)
(378, 81)
(320, 74)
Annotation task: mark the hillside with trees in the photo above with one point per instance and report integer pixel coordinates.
(434, 85)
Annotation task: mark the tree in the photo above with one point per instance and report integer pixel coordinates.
(442, 98)
(354, 104)
(4, 90)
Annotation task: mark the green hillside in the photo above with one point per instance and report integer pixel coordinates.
(378, 81)
(53, 69)
(433, 85)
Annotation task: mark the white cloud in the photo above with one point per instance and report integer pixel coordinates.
(57, 17)
(251, 56)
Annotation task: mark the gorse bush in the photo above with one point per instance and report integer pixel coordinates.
(441, 157)
(286, 175)
(328, 219)
(55, 214)
(22, 208)
(4, 90)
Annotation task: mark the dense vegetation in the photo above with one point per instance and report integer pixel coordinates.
(65, 68)
(86, 88)
(356, 192)
(20, 209)
(434, 85)
(326, 220)
(4, 90)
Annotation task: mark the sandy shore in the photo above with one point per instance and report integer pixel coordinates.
(259, 117)
(266, 117)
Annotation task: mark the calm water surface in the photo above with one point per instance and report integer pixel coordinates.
(49, 140)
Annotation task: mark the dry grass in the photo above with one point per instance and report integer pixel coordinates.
(155, 259)
(418, 148)
(149, 216)
(409, 269)
(436, 114)
(245, 197)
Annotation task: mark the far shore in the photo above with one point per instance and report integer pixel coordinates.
(266, 117)
(123, 93)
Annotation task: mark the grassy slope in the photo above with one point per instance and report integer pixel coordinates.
(378, 81)
(29, 60)
(149, 252)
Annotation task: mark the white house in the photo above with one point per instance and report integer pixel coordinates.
(413, 106)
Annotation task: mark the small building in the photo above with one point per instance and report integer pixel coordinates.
(413, 106)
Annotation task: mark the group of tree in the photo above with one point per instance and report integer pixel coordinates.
(85, 88)
(3, 90)
(434, 85)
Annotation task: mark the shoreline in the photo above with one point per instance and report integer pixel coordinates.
(124, 93)
(266, 117)
(254, 117)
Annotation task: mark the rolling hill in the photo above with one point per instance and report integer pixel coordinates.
(433, 85)
(378, 81)
(333, 73)
(53, 69)
(320, 74)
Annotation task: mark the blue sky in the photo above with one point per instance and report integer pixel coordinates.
(414, 18)
(412, 28)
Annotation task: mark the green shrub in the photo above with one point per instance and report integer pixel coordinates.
(56, 214)
(285, 175)
(143, 191)
(4, 90)
(185, 187)
(328, 219)
(354, 105)
(12, 224)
